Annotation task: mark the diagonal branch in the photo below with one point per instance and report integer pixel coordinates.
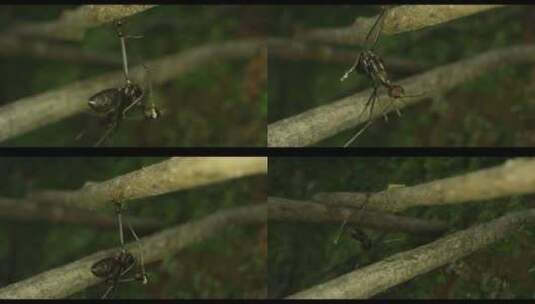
(174, 174)
(322, 122)
(280, 209)
(25, 210)
(514, 177)
(376, 278)
(72, 24)
(66, 280)
(12, 45)
(32, 112)
(400, 19)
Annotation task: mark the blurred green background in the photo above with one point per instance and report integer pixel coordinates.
(222, 104)
(302, 255)
(495, 109)
(231, 264)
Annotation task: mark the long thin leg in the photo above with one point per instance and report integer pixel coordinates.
(108, 291)
(141, 261)
(120, 222)
(369, 105)
(376, 30)
(106, 134)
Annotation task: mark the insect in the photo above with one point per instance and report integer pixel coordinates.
(371, 65)
(114, 269)
(359, 235)
(114, 103)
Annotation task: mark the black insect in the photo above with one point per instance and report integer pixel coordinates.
(371, 65)
(359, 235)
(116, 268)
(113, 104)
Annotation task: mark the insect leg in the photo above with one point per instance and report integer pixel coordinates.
(108, 291)
(141, 262)
(369, 105)
(352, 68)
(118, 210)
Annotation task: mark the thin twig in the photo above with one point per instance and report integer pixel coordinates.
(30, 211)
(280, 209)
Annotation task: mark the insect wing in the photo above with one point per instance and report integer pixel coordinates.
(104, 267)
(106, 101)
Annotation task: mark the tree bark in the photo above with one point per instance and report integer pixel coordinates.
(376, 278)
(175, 174)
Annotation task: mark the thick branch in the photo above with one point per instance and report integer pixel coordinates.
(514, 177)
(29, 211)
(36, 111)
(12, 45)
(280, 209)
(72, 24)
(175, 174)
(322, 122)
(399, 19)
(371, 280)
(76, 276)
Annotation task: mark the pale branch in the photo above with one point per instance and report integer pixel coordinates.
(514, 177)
(379, 277)
(399, 19)
(12, 45)
(18, 210)
(66, 280)
(324, 121)
(174, 174)
(32, 112)
(72, 24)
(291, 49)
(280, 209)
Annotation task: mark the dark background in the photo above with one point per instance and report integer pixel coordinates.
(230, 264)
(496, 109)
(220, 104)
(302, 255)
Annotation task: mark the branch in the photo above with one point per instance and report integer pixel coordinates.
(322, 122)
(514, 177)
(11, 45)
(32, 112)
(66, 280)
(376, 278)
(174, 174)
(291, 49)
(281, 209)
(400, 19)
(72, 24)
(25, 210)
